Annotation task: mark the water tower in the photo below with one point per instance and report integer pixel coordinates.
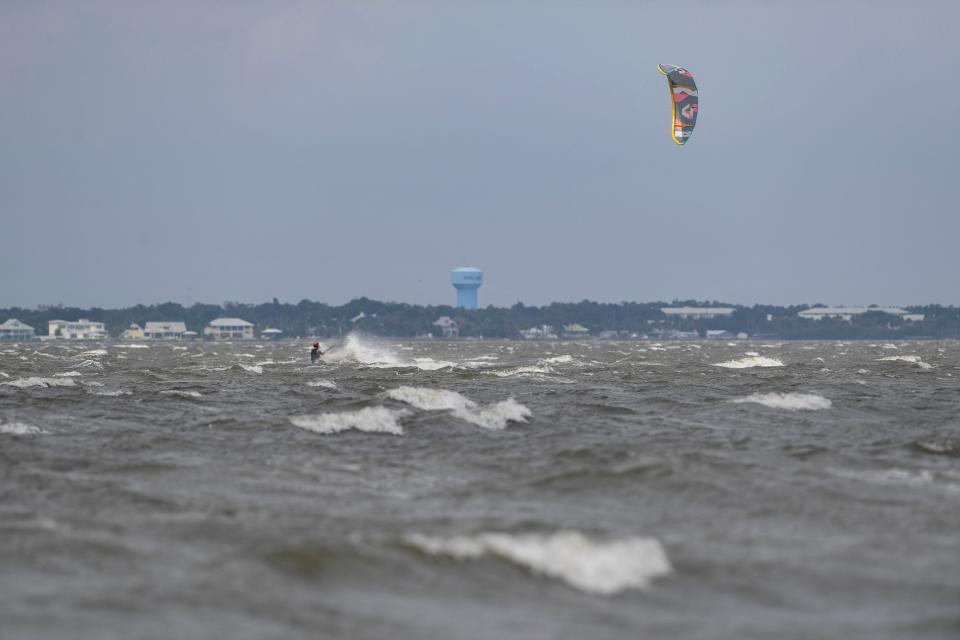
(467, 280)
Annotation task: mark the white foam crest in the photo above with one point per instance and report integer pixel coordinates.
(497, 416)
(522, 371)
(94, 353)
(558, 359)
(177, 393)
(5, 375)
(915, 360)
(88, 364)
(431, 399)
(26, 383)
(131, 346)
(750, 361)
(429, 364)
(19, 429)
(788, 401)
(68, 374)
(252, 368)
(603, 568)
(113, 394)
(494, 417)
(326, 384)
(369, 420)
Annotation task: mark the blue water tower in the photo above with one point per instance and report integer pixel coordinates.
(467, 280)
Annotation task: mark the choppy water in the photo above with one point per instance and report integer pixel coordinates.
(480, 490)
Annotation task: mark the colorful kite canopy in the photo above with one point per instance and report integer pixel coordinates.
(683, 94)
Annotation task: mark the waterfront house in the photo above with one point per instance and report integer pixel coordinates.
(164, 330)
(81, 329)
(14, 330)
(228, 329)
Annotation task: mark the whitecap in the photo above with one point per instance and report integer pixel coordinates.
(429, 364)
(19, 429)
(181, 394)
(113, 394)
(915, 360)
(497, 416)
(603, 568)
(431, 399)
(326, 384)
(131, 346)
(494, 417)
(252, 368)
(68, 374)
(94, 353)
(751, 361)
(788, 401)
(522, 371)
(43, 383)
(558, 359)
(5, 375)
(370, 420)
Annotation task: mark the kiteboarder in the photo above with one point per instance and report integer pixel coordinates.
(315, 353)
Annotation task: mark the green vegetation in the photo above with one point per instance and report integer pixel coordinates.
(627, 319)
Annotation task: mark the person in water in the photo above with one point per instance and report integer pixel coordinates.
(315, 353)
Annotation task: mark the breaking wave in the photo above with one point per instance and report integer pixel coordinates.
(750, 361)
(43, 383)
(914, 360)
(177, 393)
(326, 384)
(19, 429)
(494, 417)
(602, 568)
(788, 401)
(369, 420)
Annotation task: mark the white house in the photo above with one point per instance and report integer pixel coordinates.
(164, 330)
(13, 329)
(229, 329)
(448, 327)
(575, 331)
(543, 332)
(698, 313)
(81, 329)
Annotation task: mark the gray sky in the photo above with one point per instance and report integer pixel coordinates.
(242, 151)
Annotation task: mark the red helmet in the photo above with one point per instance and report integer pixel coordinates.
(316, 344)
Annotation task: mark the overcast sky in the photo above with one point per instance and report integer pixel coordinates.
(329, 150)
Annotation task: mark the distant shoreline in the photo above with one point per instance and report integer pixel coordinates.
(655, 321)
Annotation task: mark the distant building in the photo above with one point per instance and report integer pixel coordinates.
(271, 334)
(229, 329)
(543, 332)
(914, 317)
(575, 331)
(698, 313)
(190, 335)
(133, 332)
(81, 329)
(14, 330)
(466, 280)
(848, 313)
(448, 327)
(164, 330)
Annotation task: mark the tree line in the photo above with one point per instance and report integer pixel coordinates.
(626, 319)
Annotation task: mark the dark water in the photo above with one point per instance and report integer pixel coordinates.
(168, 493)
